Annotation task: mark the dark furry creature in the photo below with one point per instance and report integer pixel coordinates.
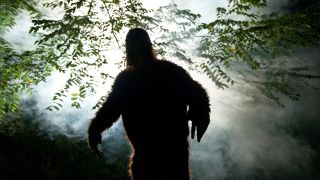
(156, 99)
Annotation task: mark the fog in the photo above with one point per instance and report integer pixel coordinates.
(249, 135)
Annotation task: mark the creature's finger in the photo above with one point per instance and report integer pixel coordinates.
(98, 152)
(201, 129)
(199, 135)
(193, 130)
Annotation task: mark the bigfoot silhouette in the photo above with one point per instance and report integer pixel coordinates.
(156, 98)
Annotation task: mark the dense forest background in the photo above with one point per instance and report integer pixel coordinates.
(259, 61)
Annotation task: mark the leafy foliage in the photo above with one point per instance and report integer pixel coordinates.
(262, 42)
(11, 8)
(175, 28)
(79, 37)
(16, 74)
(74, 40)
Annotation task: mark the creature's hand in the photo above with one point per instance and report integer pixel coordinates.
(94, 139)
(201, 129)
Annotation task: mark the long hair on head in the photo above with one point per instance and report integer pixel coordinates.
(139, 49)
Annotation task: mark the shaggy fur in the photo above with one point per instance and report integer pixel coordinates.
(153, 100)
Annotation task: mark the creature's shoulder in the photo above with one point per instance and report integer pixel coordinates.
(122, 78)
(170, 66)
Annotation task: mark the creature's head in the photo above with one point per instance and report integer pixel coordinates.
(139, 49)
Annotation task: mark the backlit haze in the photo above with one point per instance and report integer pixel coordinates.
(248, 133)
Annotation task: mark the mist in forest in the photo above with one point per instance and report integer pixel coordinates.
(249, 135)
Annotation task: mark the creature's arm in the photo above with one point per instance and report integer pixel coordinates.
(197, 99)
(106, 115)
(199, 109)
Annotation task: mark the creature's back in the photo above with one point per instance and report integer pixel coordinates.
(154, 116)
